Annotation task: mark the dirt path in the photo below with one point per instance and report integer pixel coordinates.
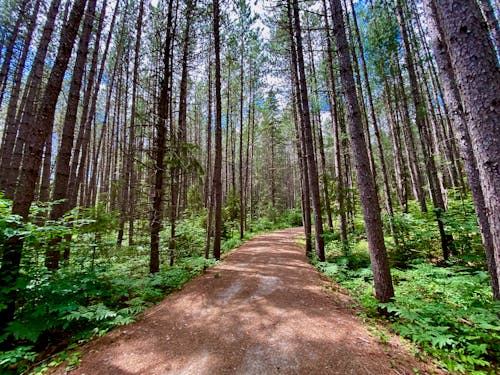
(264, 310)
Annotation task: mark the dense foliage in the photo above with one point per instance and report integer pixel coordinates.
(447, 308)
(102, 286)
(139, 138)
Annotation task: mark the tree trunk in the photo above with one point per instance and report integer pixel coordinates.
(64, 155)
(182, 131)
(45, 169)
(306, 125)
(217, 180)
(11, 124)
(476, 72)
(161, 139)
(80, 157)
(384, 291)
(11, 159)
(132, 140)
(208, 165)
(242, 191)
(409, 137)
(374, 120)
(209, 193)
(338, 125)
(33, 155)
(10, 47)
(318, 128)
(423, 128)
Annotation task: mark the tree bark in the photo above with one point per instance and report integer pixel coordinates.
(175, 172)
(338, 126)
(242, 191)
(11, 159)
(217, 179)
(384, 291)
(11, 124)
(64, 155)
(80, 157)
(161, 139)
(308, 142)
(132, 140)
(478, 78)
(10, 47)
(24, 196)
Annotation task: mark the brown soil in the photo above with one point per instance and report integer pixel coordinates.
(264, 310)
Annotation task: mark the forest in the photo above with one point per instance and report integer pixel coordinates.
(143, 140)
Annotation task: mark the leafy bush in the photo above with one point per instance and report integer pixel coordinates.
(417, 235)
(78, 303)
(460, 220)
(449, 312)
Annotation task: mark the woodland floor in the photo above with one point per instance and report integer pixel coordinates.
(263, 310)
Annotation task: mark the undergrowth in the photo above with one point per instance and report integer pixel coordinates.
(447, 310)
(101, 285)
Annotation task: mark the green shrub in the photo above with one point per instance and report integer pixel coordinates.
(449, 312)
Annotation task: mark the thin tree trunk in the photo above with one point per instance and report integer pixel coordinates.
(306, 125)
(208, 165)
(423, 128)
(321, 146)
(340, 145)
(374, 120)
(400, 167)
(209, 193)
(31, 162)
(305, 195)
(161, 139)
(132, 140)
(182, 131)
(217, 180)
(242, 193)
(44, 190)
(11, 161)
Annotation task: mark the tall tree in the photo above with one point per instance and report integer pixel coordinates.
(64, 155)
(340, 141)
(422, 123)
(161, 139)
(217, 178)
(475, 68)
(181, 139)
(12, 153)
(132, 142)
(453, 101)
(384, 290)
(11, 128)
(308, 139)
(25, 192)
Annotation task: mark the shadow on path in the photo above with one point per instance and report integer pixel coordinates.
(266, 312)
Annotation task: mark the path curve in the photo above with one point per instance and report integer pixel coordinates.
(263, 310)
